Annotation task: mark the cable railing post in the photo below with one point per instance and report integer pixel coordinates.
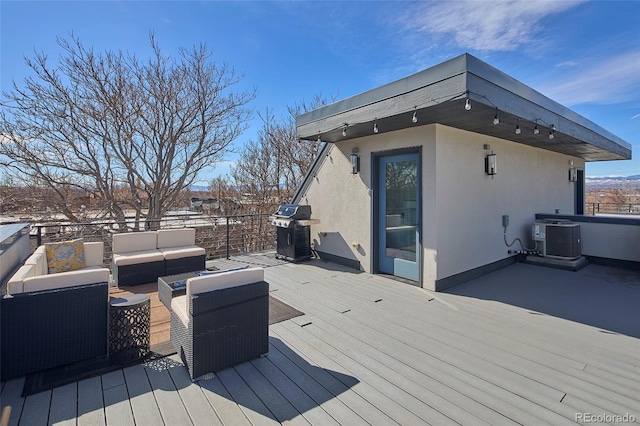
(228, 257)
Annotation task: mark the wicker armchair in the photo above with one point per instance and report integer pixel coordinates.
(54, 327)
(222, 320)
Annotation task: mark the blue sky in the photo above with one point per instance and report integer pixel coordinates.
(583, 54)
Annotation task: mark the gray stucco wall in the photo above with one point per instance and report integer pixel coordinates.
(462, 206)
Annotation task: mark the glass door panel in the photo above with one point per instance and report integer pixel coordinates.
(399, 210)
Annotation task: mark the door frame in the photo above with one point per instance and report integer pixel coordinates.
(375, 209)
(579, 190)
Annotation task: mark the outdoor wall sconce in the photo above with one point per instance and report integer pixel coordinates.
(355, 161)
(490, 164)
(573, 172)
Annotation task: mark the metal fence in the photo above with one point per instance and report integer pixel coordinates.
(219, 236)
(623, 208)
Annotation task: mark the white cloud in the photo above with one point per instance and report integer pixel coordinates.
(484, 25)
(566, 64)
(605, 81)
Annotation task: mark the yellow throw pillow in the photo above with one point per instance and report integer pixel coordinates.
(65, 256)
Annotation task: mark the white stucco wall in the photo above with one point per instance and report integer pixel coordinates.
(462, 206)
(613, 241)
(470, 204)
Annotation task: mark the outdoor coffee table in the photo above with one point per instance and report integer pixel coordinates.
(172, 286)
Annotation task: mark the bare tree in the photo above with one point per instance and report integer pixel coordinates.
(272, 167)
(134, 133)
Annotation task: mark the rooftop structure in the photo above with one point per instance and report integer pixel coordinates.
(465, 93)
(427, 178)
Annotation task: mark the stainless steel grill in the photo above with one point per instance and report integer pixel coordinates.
(288, 214)
(293, 237)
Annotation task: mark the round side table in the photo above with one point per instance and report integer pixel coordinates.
(129, 319)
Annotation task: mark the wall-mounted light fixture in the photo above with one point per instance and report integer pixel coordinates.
(344, 130)
(355, 161)
(573, 172)
(490, 164)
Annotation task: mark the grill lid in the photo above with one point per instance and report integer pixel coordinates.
(293, 211)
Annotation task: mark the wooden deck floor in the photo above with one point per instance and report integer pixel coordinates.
(370, 350)
(160, 321)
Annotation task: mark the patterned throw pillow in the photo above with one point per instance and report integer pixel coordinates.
(65, 256)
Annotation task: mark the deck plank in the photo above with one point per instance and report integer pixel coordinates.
(143, 404)
(64, 408)
(117, 406)
(200, 410)
(320, 396)
(491, 373)
(339, 385)
(374, 389)
(12, 396)
(223, 403)
(252, 406)
(36, 409)
(277, 404)
(571, 380)
(169, 402)
(90, 402)
(512, 405)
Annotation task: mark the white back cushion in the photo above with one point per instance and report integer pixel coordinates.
(176, 237)
(15, 283)
(134, 241)
(224, 280)
(94, 253)
(39, 260)
(66, 279)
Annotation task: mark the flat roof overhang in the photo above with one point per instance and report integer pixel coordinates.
(438, 95)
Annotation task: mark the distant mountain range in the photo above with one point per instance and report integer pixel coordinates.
(612, 181)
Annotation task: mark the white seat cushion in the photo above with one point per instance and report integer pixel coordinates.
(66, 279)
(136, 257)
(180, 252)
(224, 280)
(176, 237)
(179, 307)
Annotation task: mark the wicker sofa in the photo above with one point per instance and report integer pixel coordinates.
(50, 320)
(142, 257)
(222, 320)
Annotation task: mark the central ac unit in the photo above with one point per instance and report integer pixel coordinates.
(557, 238)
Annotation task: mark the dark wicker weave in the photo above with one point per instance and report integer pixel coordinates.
(51, 328)
(140, 273)
(185, 264)
(226, 327)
